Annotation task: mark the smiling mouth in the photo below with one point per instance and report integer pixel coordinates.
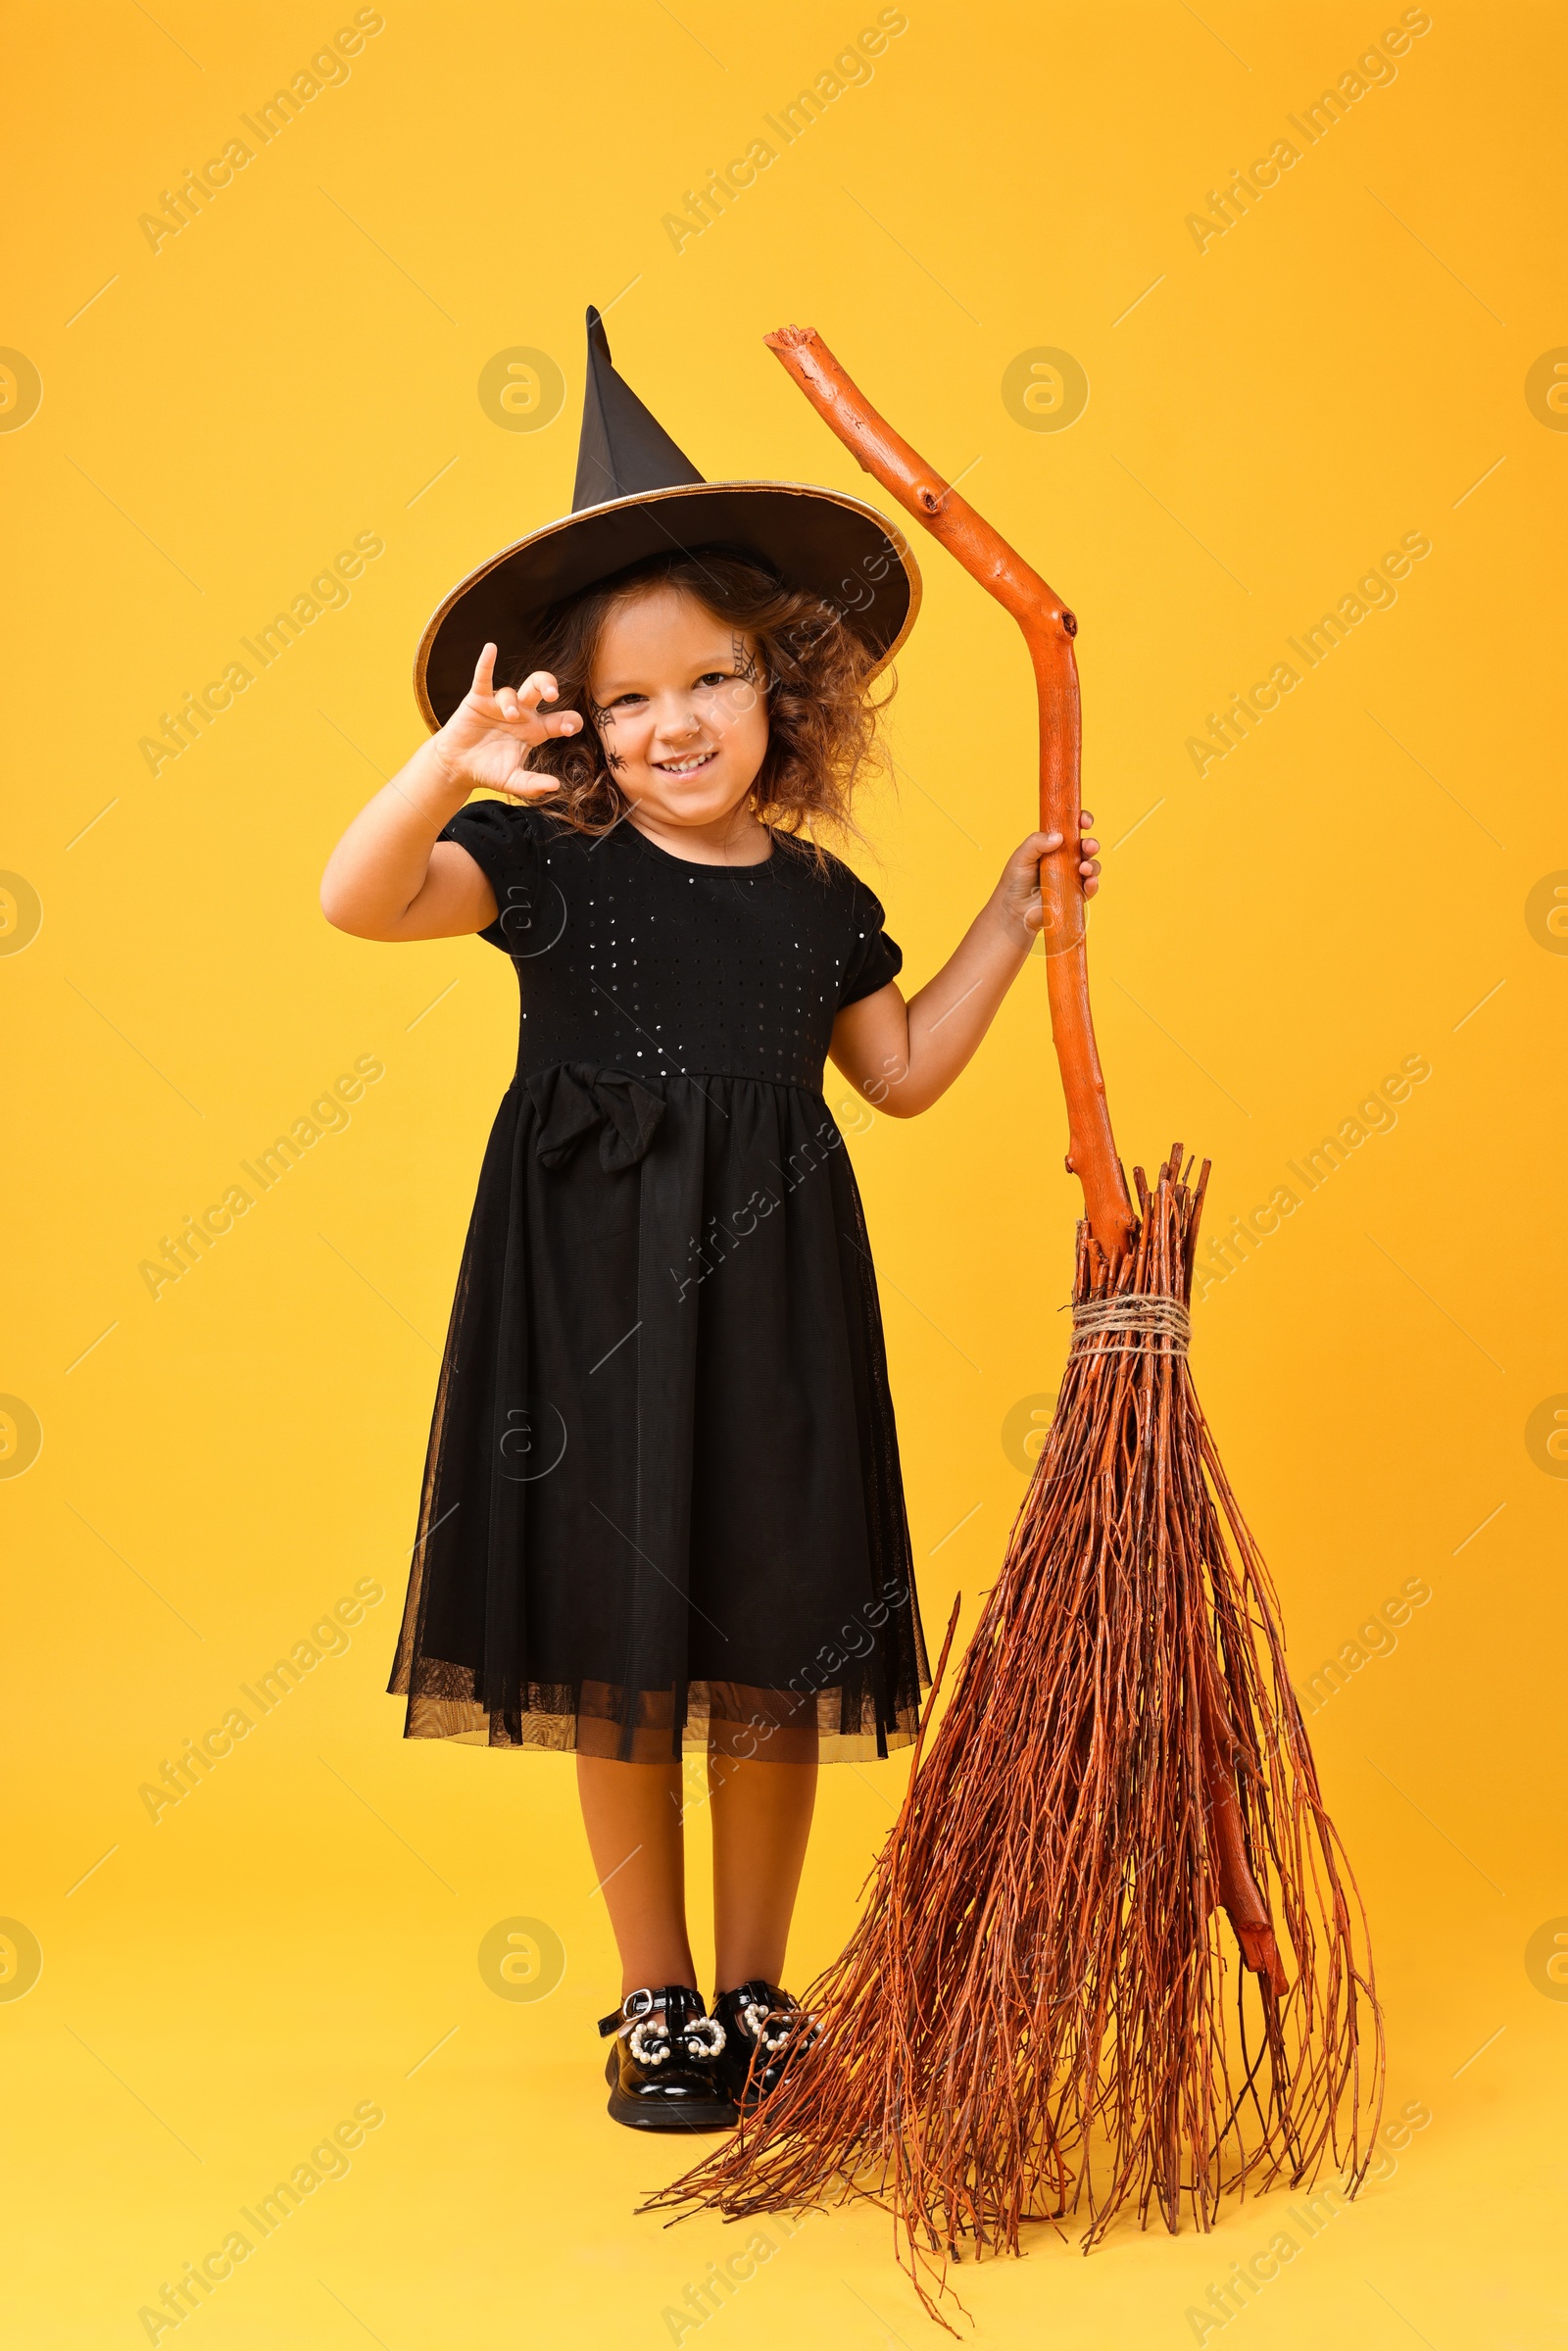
(687, 766)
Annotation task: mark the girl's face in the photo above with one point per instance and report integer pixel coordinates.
(679, 702)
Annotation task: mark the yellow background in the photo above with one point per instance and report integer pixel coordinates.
(1266, 417)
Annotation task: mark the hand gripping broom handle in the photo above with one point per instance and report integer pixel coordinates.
(1049, 629)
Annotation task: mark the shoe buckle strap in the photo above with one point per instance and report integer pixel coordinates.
(677, 2001)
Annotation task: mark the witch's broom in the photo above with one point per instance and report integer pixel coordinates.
(1032, 2014)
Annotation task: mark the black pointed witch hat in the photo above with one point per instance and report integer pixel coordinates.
(637, 495)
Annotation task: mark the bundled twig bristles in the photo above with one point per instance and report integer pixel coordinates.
(1033, 2016)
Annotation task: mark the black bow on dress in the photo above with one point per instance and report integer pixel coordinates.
(575, 1097)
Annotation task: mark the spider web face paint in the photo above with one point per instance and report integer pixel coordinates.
(602, 718)
(747, 668)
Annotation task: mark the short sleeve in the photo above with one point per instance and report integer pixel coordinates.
(875, 958)
(503, 841)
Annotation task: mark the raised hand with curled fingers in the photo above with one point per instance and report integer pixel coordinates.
(489, 735)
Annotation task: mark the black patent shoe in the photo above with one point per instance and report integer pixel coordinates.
(765, 2029)
(666, 2070)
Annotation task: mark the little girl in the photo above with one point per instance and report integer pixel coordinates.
(662, 1505)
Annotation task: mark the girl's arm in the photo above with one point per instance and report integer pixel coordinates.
(904, 1056)
(390, 878)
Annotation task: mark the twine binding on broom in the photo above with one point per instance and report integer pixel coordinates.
(1145, 1320)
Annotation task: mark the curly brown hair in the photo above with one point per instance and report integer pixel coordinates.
(824, 724)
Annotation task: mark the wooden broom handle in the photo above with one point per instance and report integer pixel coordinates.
(1049, 629)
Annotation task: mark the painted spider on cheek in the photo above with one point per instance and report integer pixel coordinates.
(603, 719)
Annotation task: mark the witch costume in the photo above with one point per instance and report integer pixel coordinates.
(662, 1505)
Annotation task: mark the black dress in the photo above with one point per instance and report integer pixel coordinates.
(661, 1502)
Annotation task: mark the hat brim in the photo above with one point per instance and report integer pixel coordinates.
(834, 547)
